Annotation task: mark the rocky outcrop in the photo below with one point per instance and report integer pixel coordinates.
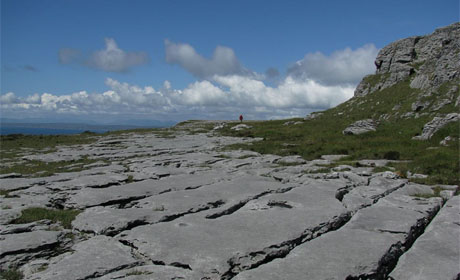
(436, 124)
(360, 127)
(432, 60)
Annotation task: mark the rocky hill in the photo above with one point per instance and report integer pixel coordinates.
(347, 193)
(429, 67)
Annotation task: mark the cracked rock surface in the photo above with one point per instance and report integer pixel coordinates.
(184, 208)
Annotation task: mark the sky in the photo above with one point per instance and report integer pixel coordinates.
(110, 61)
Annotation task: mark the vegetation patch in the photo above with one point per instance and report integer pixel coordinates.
(392, 140)
(65, 217)
(14, 145)
(37, 168)
(11, 274)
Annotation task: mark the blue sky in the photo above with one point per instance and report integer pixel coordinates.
(116, 59)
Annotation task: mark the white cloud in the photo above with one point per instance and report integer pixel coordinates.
(341, 67)
(113, 59)
(222, 62)
(220, 98)
(8, 98)
(316, 82)
(202, 93)
(110, 59)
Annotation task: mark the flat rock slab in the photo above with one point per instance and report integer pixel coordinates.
(89, 197)
(109, 221)
(149, 272)
(361, 248)
(95, 257)
(435, 254)
(377, 187)
(17, 248)
(206, 245)
(90, 181)
(27, 241)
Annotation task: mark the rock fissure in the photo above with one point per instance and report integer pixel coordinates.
(235, 207)
(209, 205)
(389, 260)
(255, 259)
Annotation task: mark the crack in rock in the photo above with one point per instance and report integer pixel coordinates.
(281, 204)
(232, 209)
(251, 260)
(122, 201)
(340, 193)
(145, 259)
(105, 272)
(132, 224)
(207, 206)
(389, 260)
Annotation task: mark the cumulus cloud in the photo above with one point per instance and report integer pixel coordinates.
(110, 59)
(222, 62)
(341, 67)
(219, 98)
(113, 59)
(226, 90)
(8, 98)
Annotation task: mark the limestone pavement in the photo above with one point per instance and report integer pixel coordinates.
(186, 208)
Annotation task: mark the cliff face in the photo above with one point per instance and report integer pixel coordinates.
(428, 61)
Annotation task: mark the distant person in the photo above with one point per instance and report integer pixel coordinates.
(241, 118)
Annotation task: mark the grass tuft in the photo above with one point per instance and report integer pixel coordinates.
(11, 274)
(65, 217)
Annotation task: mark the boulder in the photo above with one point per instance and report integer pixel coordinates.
(240, 127)
(360, 127)
(436, 124)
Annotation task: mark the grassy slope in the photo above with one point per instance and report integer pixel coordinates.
(323, 135)
(313, 138)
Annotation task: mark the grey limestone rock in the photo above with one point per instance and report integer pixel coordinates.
(432, 60)
(360, 127)
(149, 272)
(364, 248)
(435, 254)
(313, 115)
(17, 248)
(430, 128)
(95, 257)
(240, 127)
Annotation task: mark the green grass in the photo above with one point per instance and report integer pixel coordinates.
(65, 217)
(11, 274)
(11, 146)
(392, 140)
(37, 168)
(130, 179)
(5, 192)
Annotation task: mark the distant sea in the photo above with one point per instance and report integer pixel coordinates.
(58, 128)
